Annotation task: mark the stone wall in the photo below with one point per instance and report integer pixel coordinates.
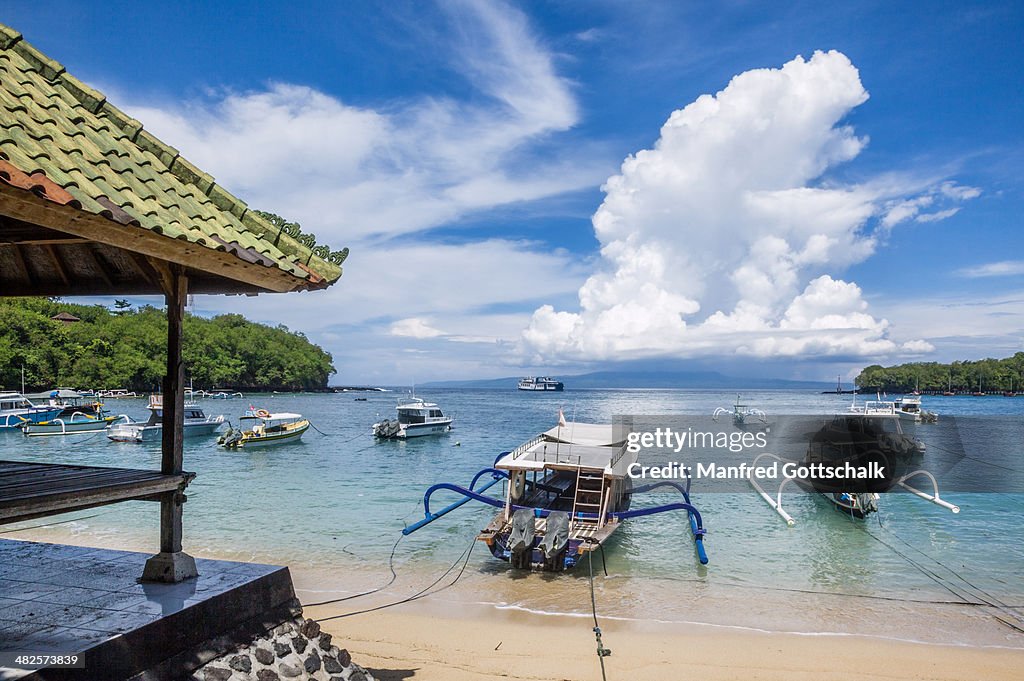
(293, 651)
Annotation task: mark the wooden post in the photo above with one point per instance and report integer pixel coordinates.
(172, 564)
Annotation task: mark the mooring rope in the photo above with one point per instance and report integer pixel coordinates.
(422, 593)
(602, 652)
(980, 594)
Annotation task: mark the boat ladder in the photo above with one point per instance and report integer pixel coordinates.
(589, 496)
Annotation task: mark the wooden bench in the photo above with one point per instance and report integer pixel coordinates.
(34, 490)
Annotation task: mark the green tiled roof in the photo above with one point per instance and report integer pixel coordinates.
(54, 123)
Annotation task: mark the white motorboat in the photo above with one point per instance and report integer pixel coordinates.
(196, 423)
(415, 419)
(16, 410)
(541, 384)
(909, 408)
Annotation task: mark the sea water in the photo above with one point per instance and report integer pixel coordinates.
(333, 506)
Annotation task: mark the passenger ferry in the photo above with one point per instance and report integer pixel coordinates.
(541, 384)
(415, 419)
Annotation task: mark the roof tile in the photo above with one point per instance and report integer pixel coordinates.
(75, 147)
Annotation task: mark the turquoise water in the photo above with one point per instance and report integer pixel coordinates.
(332, 507)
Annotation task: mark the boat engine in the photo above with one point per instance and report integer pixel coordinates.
(520, 539)
(231, 438)
(555, 541)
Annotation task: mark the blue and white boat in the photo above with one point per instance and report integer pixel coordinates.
(566, 492)
(16, 410)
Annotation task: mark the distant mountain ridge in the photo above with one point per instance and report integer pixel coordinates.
(645, 379)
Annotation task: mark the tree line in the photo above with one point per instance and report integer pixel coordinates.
(988, 375)
(126, 348)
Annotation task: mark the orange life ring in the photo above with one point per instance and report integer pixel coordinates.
(262, 413)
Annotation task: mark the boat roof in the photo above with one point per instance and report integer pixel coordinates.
(418, 404)
(596, 434)
(281, 416)
(574, 445)
(56, 392)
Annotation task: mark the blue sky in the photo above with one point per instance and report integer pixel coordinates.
(847, 191)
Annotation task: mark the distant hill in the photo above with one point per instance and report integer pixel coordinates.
(647, 379)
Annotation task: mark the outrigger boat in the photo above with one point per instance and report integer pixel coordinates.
(70, 401)
(862, 436)
(742, 415)
(568, 490)
(76, 423)
(267, 429)
(16, 410)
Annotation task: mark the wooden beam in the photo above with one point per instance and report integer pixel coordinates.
(19, 260)
(91, 252)
(172, 564)
(173, 431)
(145, 269)
(27, 207)
(57, 263)
(45, 242)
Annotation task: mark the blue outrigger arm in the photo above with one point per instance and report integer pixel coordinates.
(696, 524)
(467, 494)
(473, 494)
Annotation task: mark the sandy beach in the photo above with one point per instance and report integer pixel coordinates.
(445, 639)
(418, 642)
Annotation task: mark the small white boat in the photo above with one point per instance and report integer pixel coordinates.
(909, 408)
(78, 422)
(117, 394)
(541, 384)
(415, 419)
(266, 429)
(16, 410)
(196, 423)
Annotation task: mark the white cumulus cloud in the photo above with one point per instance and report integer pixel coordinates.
(414, 327)
(725, 236)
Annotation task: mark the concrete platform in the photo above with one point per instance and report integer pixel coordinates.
(67, 599)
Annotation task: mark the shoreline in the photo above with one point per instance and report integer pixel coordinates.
(431, 642)
(317, 584)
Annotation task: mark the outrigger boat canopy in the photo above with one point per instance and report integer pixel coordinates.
(567, 491)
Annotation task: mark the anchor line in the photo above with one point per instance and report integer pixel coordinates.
(422, 593)
(355, 437)
(602, 652)
(394, 576)
(957, 591)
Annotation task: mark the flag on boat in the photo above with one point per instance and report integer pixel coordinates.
(561, 418)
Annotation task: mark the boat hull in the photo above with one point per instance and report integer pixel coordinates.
(422, 429)
(58, 427)
(250, 440)
(132, 432)
(17, 419)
